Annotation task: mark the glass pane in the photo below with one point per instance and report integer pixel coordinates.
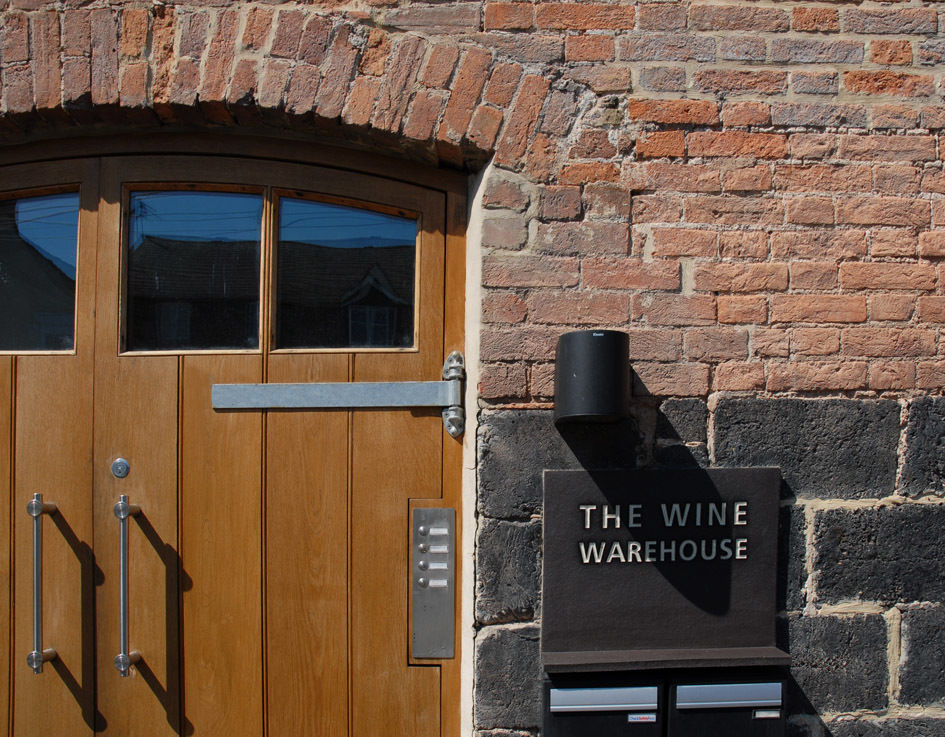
(193, 271)
(345, 277)
(38, 242)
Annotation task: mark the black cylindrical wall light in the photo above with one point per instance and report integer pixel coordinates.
(592, 376)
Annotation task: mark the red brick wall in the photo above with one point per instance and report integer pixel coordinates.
(754, 192)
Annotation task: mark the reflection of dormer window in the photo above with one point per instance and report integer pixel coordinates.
(371, 325)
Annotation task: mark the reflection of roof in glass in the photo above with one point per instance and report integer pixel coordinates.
(168, 270)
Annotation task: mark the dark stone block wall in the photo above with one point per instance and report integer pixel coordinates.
(861, 577)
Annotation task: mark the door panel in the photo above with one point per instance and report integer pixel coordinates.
(269, 568)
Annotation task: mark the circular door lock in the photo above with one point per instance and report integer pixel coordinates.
(120, 468)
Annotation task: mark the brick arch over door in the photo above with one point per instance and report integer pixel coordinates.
(437, 101)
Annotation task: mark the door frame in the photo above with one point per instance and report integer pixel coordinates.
(458, 456)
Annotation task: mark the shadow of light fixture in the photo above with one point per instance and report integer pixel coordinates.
(592, 377)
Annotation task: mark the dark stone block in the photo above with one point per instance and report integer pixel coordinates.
(508, 571)
(792, 573)
(922, 678)
(886, 555)
(515, 446)
(677, 455)
(923, 470)
(508, 679)
(887, 728)
(829, 448)
(838, 663)
(683, 419)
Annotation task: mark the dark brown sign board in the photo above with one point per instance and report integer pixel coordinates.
(660, 569)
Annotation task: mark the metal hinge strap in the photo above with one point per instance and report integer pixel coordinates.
(447, 394)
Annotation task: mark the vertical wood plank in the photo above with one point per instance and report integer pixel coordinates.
(221, 551)
(6, 509)
(307, 557)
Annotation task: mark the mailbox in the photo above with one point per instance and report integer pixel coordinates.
(747, 708)
(614, 706)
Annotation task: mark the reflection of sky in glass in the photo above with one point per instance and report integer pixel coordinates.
(50, 224)
(195, 216)
(338, 226)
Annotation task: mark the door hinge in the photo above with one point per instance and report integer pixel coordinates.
(446, 394)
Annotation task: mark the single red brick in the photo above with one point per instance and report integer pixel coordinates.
(424, 115)
(746, 113)
(76, 38)
(484, 126)
(674, 309)
(274, 82)
(396, 86)
(676, 242)
(522, 120)
(933, 117)
(541, 379)
(815, 19)
(891, 52)
(593, 143)
(736, 81)
(500, 89)
(770, 343)
(816, 376)
(737, 143)
(655, 208)
(375, 54)
(892, 243)
(509, 16)
(737, 18)
(661, 144)
(630, 273)
(862, 82)
(529, 270)
(871, 342)
(735, 376)
(888, 148)
(508, 233)
(18, 89)
(747, 179)
(814, 275)
(887, 276)
(808, 178)
(883, 211)
(15, 34)
(932, 244)
(303, 86)
(891, 375)
(47, 76)
(589, 48)
(134, 31)
(258, 26)
(887, 20)
(105, 57)
(743, 309)
(715, 344)
(589, 172)
(815, 341)
(502, 381)
(671, 379)
(560, 203)
(890, 307)
(931, 309)
(603, 78)
(738, 244)
(541, 158)
(532, 343)
(740, 277)
(467, 86)
(818, 308)
(933, 181)
(288, 32)
(734, 210)
(655, 345)
(134, 85)
(607, 201)
(813, 145)
(817, 244)
(505, 194)
(584, 16)
(682, 177)
(439, 66)
(894, 116)
(930, 375)
(579, 308)
(76, 81)
(809, 210)
(690, 112)
(193, 34)
(589, 237)
(938, 213)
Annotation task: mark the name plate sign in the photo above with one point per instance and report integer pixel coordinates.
(648, 569)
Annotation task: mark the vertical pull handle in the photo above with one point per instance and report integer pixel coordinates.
(124, 660)
(36, 508)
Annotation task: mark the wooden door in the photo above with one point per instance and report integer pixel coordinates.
(269, 564)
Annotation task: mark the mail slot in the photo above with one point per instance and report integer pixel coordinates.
(577, 708)
(748, 709)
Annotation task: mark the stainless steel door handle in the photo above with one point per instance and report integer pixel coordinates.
(125, 659)
(36, 508)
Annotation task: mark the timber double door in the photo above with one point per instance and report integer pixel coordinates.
(269, 565)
